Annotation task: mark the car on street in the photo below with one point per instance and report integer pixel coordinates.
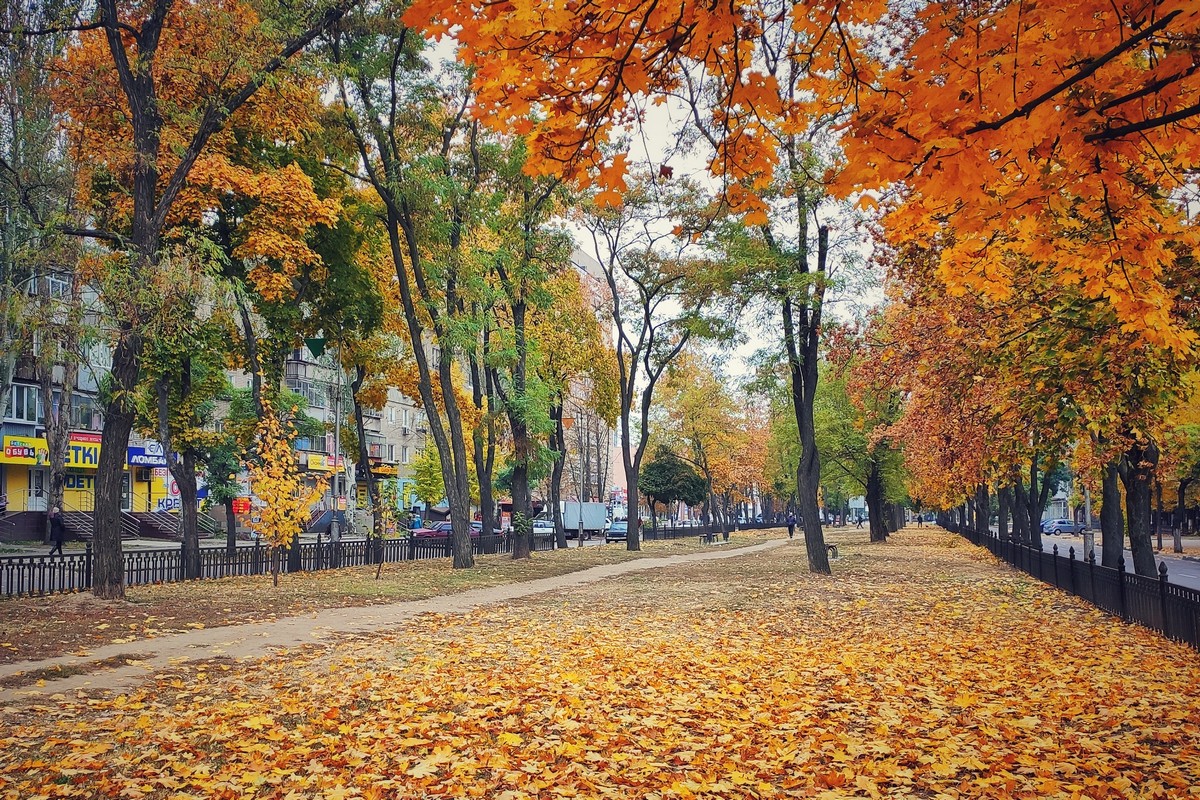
(1055, 526)
(618, 531)
(543, 526)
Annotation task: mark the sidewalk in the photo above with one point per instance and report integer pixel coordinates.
(255, 639)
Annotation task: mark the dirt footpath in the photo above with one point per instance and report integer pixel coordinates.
(120, 666)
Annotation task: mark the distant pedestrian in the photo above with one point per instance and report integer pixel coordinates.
(791, 523)
(58, 531)
(859, 523)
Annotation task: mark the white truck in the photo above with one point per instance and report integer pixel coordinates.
(595, 516)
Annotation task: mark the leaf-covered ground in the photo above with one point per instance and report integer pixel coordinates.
(42, 627)
(920, 669)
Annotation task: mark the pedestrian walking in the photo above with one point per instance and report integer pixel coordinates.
(58, 531)
(791, 523)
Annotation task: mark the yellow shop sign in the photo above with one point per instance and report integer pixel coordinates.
(83, 451)
(25, 450)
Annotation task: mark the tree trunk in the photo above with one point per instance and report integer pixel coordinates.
(983, 511)
(483, 435)
(184, 471)
(1037, 502)
(364, 457)
(1137, 473)
(556, 474)
(1004, 498)
(108, 570)
(1112, 524)
(1181, 517)
(1020, 513)
(1158, 512)
(875, 504)
(57, 425)
(230, 529)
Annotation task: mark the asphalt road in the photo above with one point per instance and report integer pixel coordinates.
(1183, 571)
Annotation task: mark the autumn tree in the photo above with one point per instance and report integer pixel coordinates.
(176, 74)
(275, 479)
(655, 307)
(577, 367)
(667, 478)
(418, 153)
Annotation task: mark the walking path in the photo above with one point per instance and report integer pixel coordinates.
(256, 639)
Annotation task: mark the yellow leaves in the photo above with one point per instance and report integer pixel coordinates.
(905, 678)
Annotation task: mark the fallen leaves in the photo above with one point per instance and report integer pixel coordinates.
(919, 670)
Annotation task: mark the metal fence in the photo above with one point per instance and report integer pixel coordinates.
(41, 574)
(1155, 603)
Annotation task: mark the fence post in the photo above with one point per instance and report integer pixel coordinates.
(87, 565)
(412, 547)
(1071, 566)
(1091, 558)
(182, 561)
(319, 558)
(256, 568)
(1121, 584)
(1055, 551)
(1162, 597)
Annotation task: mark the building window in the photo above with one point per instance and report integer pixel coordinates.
(86, 413)
(24, 405)
(314, 393)
(57, 287)
(404, 459)
(392, 453)
(391, 415)
(405, 418)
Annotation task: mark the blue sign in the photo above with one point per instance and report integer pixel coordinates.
(149, 456)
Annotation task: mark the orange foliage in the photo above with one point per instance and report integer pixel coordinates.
(202, 51)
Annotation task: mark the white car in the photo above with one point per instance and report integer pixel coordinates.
(543, 526)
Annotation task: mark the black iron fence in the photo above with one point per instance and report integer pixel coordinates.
(41, 574)
(675, 530)
(1156, 603)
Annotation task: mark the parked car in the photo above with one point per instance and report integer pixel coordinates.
(477, 529)
(618, 531)
(543, 526)
(1055, 526)
(444, 526)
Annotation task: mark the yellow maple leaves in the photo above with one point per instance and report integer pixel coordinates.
(928, 671)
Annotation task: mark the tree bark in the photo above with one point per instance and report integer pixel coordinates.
(1004, 499)
(983, 511)
(230, 529)
(1136, 469)
(185, 479)
(559, 445)
(1181, 518)
(1112, 524)
(364, 456)
(108, 570)
(875, 504)
(801, 341)
(1020, 513)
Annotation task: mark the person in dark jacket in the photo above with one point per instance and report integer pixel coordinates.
(58, 531)
(791, 523)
